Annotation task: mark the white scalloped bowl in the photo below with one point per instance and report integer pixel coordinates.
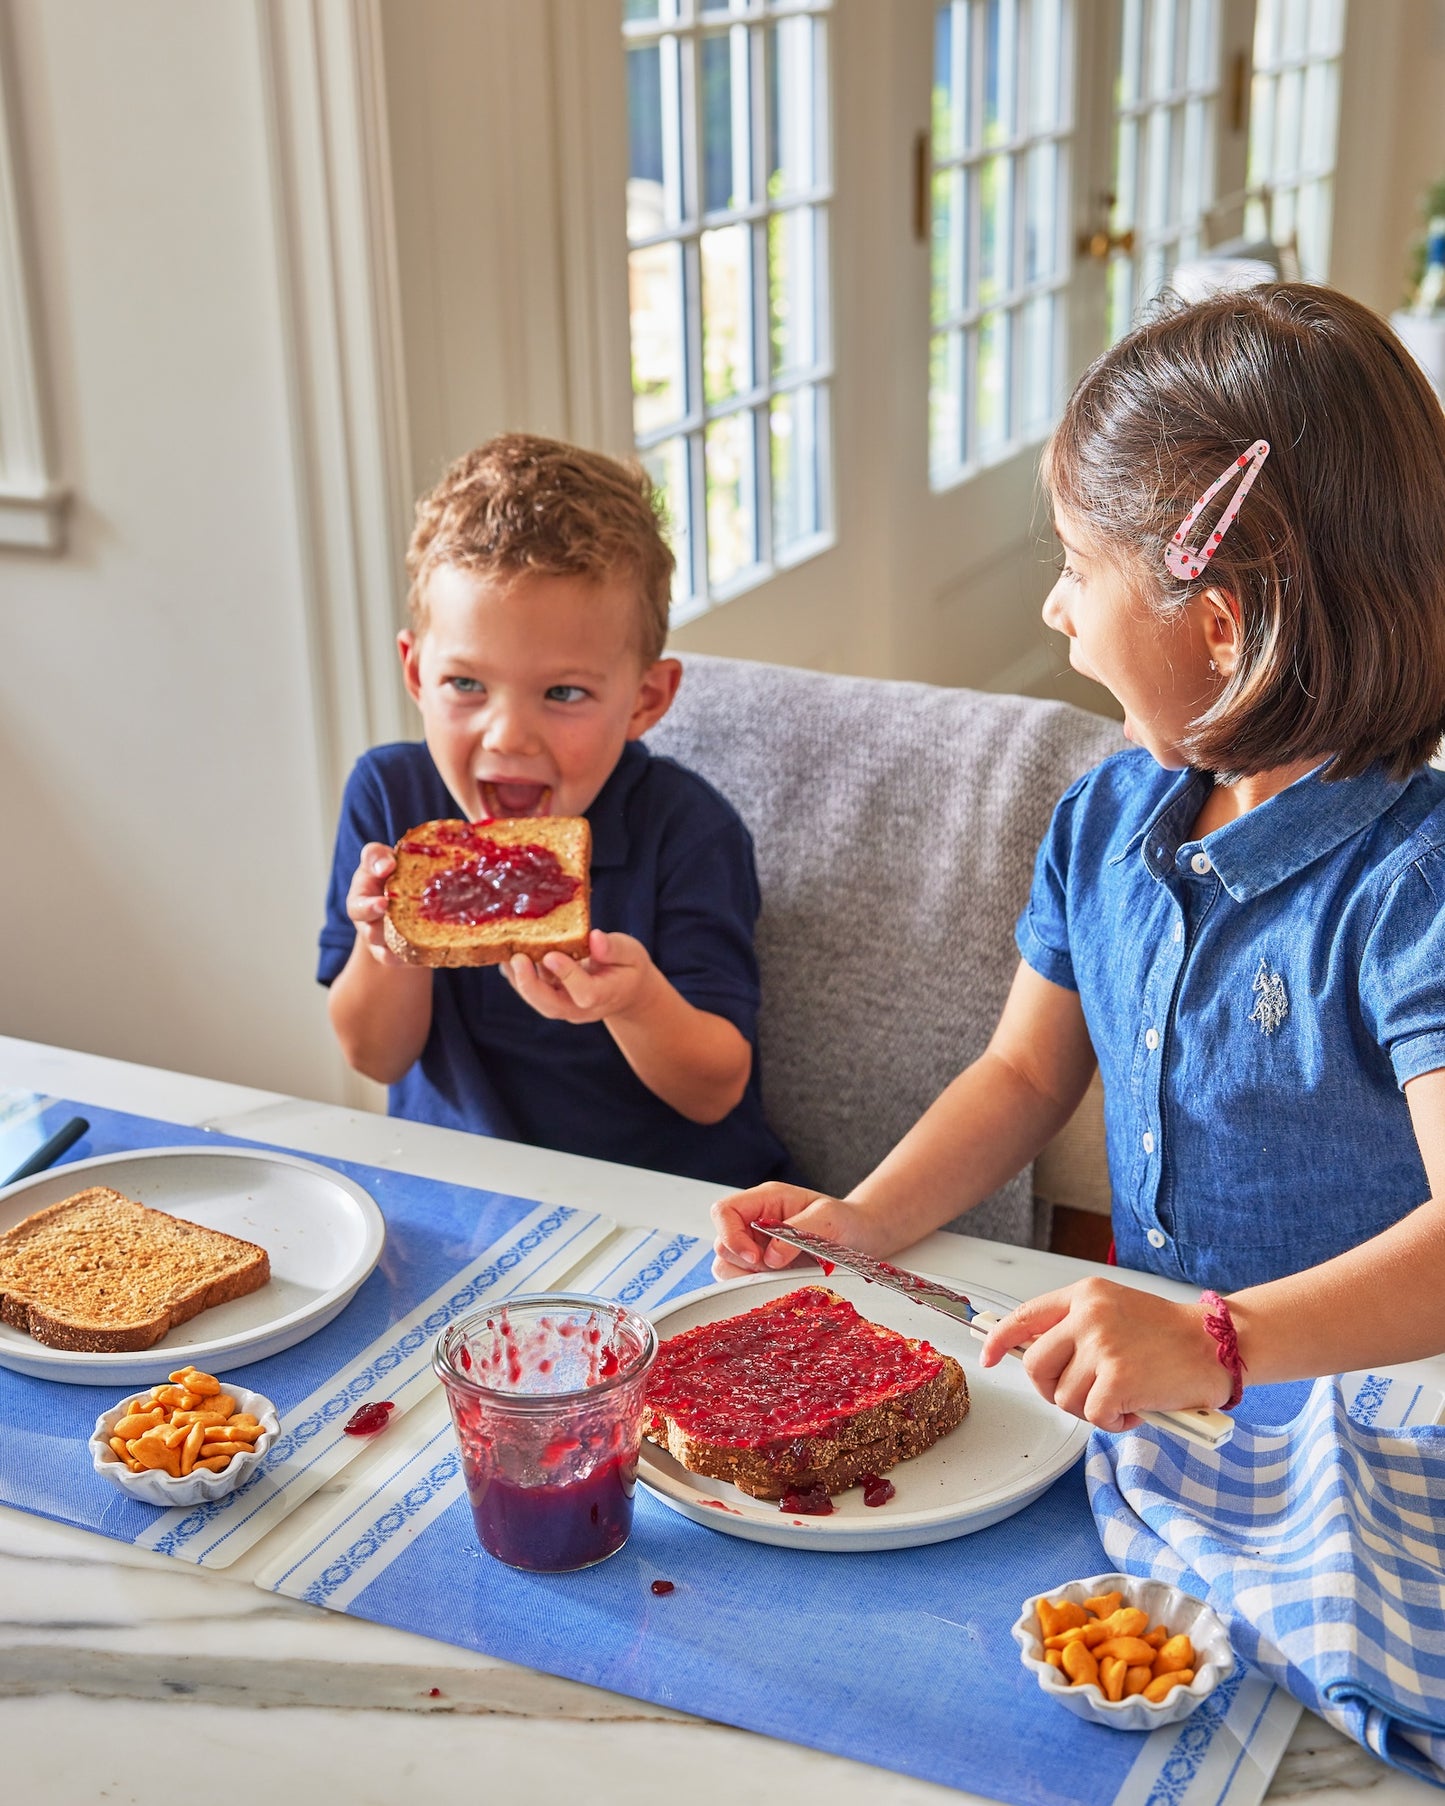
(156, 1488)
(1165, 1605)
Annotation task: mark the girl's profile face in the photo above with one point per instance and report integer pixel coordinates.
(1154, 663)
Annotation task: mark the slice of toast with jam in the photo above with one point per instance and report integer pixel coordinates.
(475, 893)
(800, 1395)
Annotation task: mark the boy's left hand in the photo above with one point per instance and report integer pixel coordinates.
(612, 981)
(1105, 1352)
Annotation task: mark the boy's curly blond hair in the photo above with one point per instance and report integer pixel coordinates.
(521, 504)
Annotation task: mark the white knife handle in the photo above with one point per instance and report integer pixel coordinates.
(1202, 1425)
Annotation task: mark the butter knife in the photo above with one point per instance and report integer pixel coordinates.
(1201, 1425)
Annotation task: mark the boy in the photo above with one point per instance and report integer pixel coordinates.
(539, 584)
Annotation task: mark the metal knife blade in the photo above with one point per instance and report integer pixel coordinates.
(1201, 1425)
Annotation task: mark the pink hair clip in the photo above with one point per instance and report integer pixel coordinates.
(1186, 562)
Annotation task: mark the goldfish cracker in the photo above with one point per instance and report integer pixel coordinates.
(1163, 1684)
(1111, 1676)
(1054, 1619)
(1104, 1604)
(1129, 1650)
(1080, 1666)
(1055, 1659)
(1127, 1621)
(1177, 1653)
(1156, 1638)
(1136, 1680)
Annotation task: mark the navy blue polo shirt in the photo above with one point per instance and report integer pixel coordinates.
(672, 865)
(1257, 999)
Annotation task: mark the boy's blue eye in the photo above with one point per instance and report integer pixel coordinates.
(566, 693)
(466, 686)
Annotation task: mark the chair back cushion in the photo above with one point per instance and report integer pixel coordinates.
(896, 826)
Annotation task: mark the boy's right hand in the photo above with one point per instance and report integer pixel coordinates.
(739, 1250)
(366, 900)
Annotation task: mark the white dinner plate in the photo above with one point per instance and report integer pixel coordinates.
(322, 1231)
(1010, 1448)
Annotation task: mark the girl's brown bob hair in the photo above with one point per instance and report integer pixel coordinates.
(1336, 562)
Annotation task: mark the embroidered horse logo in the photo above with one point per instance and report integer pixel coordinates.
(1271, 1000)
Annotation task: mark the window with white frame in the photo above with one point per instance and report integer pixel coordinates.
(1001, 142)
(1165, 119)
(1293, 124)
(727, 222)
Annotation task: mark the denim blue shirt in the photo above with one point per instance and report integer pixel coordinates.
(672, 865)
(1257, 999)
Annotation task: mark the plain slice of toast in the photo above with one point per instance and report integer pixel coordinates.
(441, 861)
(100, 1274)
(798, 1394)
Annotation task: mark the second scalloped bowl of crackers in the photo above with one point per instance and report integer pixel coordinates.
(190, 1440)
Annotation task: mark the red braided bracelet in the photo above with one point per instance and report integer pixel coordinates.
(1220, 1325)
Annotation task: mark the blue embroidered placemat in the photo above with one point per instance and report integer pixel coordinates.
(449, 1248)
(901, 1658)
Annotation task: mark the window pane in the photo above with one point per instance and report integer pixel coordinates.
(1321, 105)
(1294, 27)
(993, 347)
(725, 135)
(995, 181)
(1041, 225)
(795, 439)
(654, 178)
(655, 302)
(727, 288)
(793, 46)
(947, 393)
(1046, 49)
(1000, 69)
(1161, 48)
(792, 289)
(731, 492)
(1327, 27)
(950, 25)
(1121, 296)
(1037, 362)
(666, 464)
(1287, 123)
(1202, 66)
(950, 243)
(1131, 54)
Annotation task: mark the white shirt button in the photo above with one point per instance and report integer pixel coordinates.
(1148, 1140)
(1151, 1038)
(1156, 1238)
(1201, 864)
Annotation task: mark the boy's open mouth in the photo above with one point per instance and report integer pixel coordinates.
(502, 799)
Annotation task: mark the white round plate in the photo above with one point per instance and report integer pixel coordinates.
(1011, 1447)
(322, 1231)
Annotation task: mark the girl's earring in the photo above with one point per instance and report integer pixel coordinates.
(1213, 667)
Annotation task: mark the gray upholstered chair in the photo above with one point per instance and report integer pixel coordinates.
(896, 826)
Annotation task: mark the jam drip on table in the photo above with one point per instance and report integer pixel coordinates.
(369, 1420)
(664, 1586)
(785, 1370)
(492, 882)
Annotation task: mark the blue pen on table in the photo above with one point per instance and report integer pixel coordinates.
(49, 1152)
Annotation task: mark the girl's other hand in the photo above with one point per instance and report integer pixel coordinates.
(1105, 1352)
(739, 1250)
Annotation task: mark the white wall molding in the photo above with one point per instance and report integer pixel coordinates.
(32, 500)
(331, 186)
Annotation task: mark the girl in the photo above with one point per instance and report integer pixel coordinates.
(1243, 918)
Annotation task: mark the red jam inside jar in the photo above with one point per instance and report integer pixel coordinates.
(551, 1529)
(502, 883)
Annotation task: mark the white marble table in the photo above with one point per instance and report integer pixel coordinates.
(127, 1678)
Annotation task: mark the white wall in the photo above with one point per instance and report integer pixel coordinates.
(159, 801)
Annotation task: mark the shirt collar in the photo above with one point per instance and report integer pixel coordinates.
(1271, 843)
(608, 814)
